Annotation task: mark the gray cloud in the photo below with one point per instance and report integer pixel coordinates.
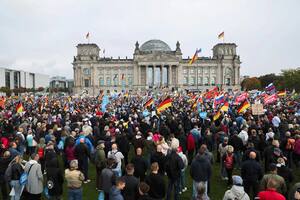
(41, 36)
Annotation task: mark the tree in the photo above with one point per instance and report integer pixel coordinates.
(6, 90)
(40, 89)
(291, 79)
(267, 79)
(251, 83)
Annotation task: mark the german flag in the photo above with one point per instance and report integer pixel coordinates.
(221, 36)
(244, 107)
(195, 56)
(281, 94)
(225, 107)
(2, 103)
(164, 105)
(148, 103)
(217, 115)
(19, 108)
(66, 107)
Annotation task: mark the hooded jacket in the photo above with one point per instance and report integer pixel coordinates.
(115, 194)
(54, 179)
(200, 169)
(236, 192)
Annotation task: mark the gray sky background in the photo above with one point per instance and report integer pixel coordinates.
(41, 35)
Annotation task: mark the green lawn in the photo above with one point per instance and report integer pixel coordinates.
(218, 186)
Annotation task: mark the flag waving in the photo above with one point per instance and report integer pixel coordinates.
(244, 107)
(221, 36)
(195, 56)
(87, 36)
(164, 105)
(20, 108)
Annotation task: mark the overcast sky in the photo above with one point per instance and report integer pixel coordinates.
(41, 35)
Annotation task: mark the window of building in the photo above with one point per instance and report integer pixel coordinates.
(213, 70)
(199, 71)
(185, 80)
(185, 71)
(86, 82)
(205, 81)
(116, 79)
(193, 80)
(108, 81)
(7, 79)
(130, 80)
(227, 81)
(200, 80)
(192, 71)
(86, 71)
(101, 81)
(206, 71)
(213, 81)
(16, 78)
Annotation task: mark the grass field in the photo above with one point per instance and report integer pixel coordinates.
(218, 186)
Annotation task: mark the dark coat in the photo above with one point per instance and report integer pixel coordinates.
(140, 166)
(55, 175)
(157, 186)
(130, 191)
(160, 158)
(174, 165)
(251, 171)
(200, 169)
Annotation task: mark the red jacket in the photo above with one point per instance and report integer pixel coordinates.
(270, 194)
(190, 142)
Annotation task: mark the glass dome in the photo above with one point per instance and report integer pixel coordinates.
(155, 45)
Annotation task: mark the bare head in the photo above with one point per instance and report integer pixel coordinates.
(252, 155)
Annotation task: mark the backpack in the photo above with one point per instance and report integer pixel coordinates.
(113, 156)
(290, 144)
(228, 161)
(24, 177)
(93, 155)
(41, 152)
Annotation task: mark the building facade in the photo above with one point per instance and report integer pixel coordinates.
(13, 79)
(155, 65)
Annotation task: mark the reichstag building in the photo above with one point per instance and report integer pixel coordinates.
(154, 66)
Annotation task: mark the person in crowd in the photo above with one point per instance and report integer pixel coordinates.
(159, 158)
(117, 156)
(17, 170)
(201, 193)
(156, 182)
(115, 191)
(82, 154)
(200, 171)
(54, 180)
(238, 146)
(174, 165)
(229, 161)
(100, 161)
(74, 178)
(270, 192)
(34, 185)
(140, 165)
(237, 190)
(5, 159)
(182, 184)
(251, 173)
(222, 151)
(143, 191)
(130, 192)
(107, 178)
(285, 172)
(280, 186)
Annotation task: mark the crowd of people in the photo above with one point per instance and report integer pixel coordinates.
(141, 154)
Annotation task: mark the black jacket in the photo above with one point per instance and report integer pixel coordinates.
(236, 142)
(174, 165)
(157, 186)
(16, 171)
(81, 151)
(140, 166)
(160, 158)
(200, 169)
(251, 171)
(130, 191)
(55, 177)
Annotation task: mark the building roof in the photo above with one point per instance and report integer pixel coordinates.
(155, 45)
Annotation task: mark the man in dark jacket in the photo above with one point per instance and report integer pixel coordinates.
(130, 191)
(251, 173)
(238, 146)
(160, 158)
(156, 182)
(140, 165)
(200, 172)
(82, 154)
(4, 162)
(55, 179)
(174, 165)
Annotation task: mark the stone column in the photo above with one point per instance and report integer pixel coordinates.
(146, 78)
(161, 73)
(179, 76)
(170, 75)
(139, 75)
(153, 75)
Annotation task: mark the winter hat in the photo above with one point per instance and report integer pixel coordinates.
(237, 180)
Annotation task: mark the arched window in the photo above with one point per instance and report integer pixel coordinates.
(213, 81)
(101, 81)
(205, 81)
